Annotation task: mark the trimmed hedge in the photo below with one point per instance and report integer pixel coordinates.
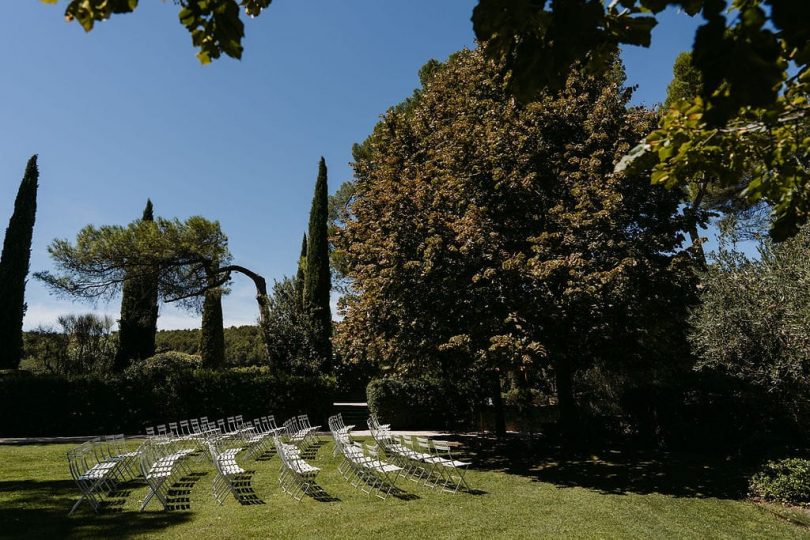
(56, 405)
(786, 481)
(423, 403)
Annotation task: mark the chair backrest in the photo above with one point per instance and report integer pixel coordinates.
(195, 425)
(204, 421)
(161, 429)
(184, 427)
(423, 443)
(441, 446)
(221, 424)
(174, 429)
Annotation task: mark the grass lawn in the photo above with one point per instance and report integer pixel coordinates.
(36, 493)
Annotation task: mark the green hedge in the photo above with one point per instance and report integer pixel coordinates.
(786, 481)
(423, 403)
(55, 405)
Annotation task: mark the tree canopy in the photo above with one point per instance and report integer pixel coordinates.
(488, 235)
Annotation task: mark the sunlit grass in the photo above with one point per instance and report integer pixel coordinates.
(36, 493)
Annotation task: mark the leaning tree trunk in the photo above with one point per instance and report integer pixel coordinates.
(261, 298)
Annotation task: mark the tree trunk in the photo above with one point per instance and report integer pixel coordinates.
(212, 334)
(497, 401)
(261, 298)
(566, 405)
(694, 234)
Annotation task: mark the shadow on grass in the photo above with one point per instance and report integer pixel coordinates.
(614, 470)
(243, 489)
(319, 494)
(312, 451)
(39, 508)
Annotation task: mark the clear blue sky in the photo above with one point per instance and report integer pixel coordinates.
(126, 112)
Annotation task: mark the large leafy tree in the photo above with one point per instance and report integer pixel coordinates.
(14, 262)
(489, 236)
(317, 277)
(139, 312)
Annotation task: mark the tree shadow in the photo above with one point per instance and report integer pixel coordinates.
(613, 469)
(39, 509)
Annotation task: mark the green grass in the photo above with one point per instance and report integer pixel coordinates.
(36, 493)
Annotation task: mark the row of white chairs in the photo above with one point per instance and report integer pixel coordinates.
(98, 466)
(431, 462)
(361, 465)
(296, 477)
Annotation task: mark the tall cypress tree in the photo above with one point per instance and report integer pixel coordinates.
(317, 278)
(212, 334)
(299, 276)
(14, 268)
(139, 311)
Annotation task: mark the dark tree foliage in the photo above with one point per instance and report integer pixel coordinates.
(139, 312)
(14, 268)
(212, 335)
(300, 273)
(317, 277)
(292, 332)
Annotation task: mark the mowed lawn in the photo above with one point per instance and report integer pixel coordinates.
(36, 493)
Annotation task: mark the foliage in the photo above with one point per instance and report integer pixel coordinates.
(423, 403)
(753, 322)
(299, 274)
(749, 118)
(215, 25)
(291, 332)
(243, 344)
(14, 261)
(686, 84)
(317, 277)
(139, 312)
(493, 236)
(83, 344)
(168, 361)
(212, 336)
(186, 253)
(786, 480)
(147, 395)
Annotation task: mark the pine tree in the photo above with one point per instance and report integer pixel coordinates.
(317, 278)
(212, 335)
(299, 276)
(14, 268)
(139, 311)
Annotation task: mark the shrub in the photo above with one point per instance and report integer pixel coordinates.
(786, 481)
(50, 405)
(422, 403)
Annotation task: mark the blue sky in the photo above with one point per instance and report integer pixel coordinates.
(126, 112)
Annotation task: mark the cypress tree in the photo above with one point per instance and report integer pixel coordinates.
(317, 278)
(212, 335)
(139, 311)
(14, 268)
(299, 277)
